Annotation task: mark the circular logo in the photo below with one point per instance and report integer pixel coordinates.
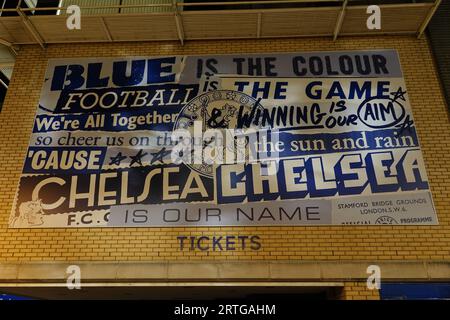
(386, 220)
(218, 110)
(381, 112)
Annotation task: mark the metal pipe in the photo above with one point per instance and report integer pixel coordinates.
(428, 18)
(178, 23)
(340, 20)
(194, 4)
(102, 7)
(3, 83)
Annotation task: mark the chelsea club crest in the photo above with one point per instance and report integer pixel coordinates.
(218, 110)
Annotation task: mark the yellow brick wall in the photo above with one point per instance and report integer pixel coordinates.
(278, 243)
(357, 291)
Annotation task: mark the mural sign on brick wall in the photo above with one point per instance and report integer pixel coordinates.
(324, 138)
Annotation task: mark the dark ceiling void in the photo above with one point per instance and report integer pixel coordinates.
(4, 82)
(46, 4)
(439, 35)
(11, 4)
(311, 4)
